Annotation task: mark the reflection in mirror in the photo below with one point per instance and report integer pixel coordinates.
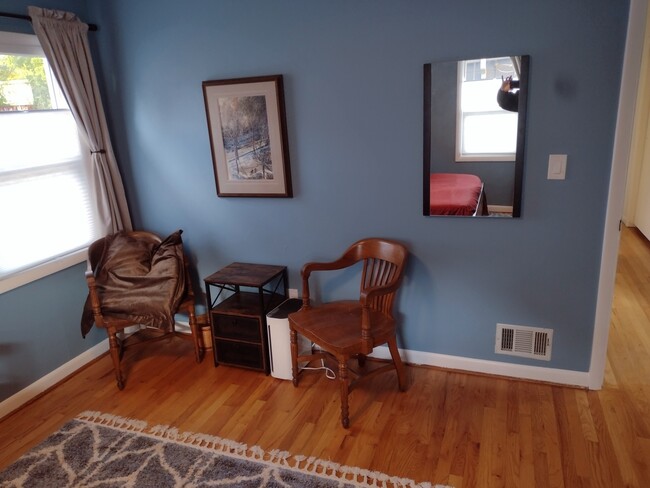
(474, 136)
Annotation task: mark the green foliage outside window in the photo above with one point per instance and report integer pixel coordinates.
(29, 69)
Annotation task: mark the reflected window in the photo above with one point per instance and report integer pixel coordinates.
(485, 131)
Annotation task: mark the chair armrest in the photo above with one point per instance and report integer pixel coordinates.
(326, 266)
(90, 274)
(93, 295)
(366, 298)
(371, 293)
(308, 268)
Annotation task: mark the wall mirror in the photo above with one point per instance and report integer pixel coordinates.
(474, 136)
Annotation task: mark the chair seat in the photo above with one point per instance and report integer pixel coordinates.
(336, 326)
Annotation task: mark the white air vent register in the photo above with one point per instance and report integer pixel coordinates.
(528, 342)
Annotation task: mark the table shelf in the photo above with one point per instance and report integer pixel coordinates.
(246, 293)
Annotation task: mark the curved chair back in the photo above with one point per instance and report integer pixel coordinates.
(383, 266)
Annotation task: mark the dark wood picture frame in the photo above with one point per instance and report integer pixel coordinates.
(248, 136)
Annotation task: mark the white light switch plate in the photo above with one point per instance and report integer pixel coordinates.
(556, 166)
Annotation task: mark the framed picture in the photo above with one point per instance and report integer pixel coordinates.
(248, 136)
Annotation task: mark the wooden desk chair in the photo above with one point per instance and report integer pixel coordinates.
(351, 329)
(143, 245)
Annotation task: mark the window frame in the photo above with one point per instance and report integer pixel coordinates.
(28, 44)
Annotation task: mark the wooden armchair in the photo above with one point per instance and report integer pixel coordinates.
(133, 303)
(351, 329)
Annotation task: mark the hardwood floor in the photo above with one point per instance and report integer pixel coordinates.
(449, 427)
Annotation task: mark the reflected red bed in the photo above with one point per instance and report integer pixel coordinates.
(456, 194)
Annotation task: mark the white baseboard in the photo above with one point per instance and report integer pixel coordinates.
(500, 208)
(484, 366)
(183, 327)
(49, 380)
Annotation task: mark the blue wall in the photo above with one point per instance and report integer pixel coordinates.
(353, 89)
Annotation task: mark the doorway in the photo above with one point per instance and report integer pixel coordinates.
(631, 75)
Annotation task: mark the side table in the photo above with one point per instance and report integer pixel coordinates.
(245, 293)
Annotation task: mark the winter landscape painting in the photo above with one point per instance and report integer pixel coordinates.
(247, 126)
(245, 132)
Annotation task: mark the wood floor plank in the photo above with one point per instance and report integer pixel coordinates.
(605, 470)
(449, 427)
(525, 435)
(575, 466)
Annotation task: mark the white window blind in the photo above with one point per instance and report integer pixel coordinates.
(46, 210)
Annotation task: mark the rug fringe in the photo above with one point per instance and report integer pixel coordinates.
(114, 421)
(312, 465)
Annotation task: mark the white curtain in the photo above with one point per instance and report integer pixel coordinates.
(64, 39)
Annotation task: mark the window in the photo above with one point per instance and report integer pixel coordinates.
(484, 131)
(47, 215)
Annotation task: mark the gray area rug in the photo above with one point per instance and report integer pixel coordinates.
(104, 451)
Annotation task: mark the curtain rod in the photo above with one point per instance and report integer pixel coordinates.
(91, 27)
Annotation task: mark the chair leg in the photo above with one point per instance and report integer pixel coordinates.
(197, 336)
(397, 360)
(115, 351)
(345, 390)
(294, 356)
(361, 360)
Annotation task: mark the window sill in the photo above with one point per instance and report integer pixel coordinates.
(479, 158)
(43, 270)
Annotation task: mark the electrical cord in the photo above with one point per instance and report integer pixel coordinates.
(329, 374)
